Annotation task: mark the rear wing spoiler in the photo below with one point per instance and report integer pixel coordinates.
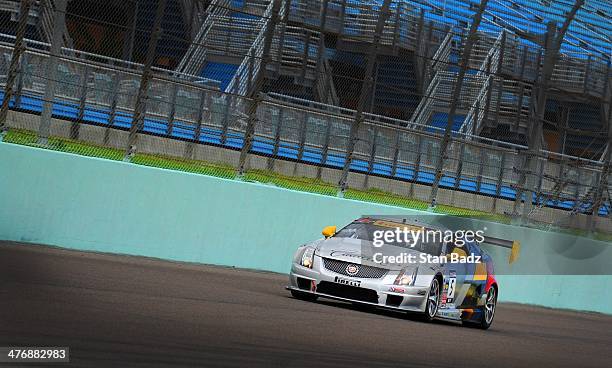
(513, 245)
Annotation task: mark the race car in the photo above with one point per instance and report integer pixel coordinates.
(437, 278)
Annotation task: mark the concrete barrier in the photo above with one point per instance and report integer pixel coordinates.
(107, 206)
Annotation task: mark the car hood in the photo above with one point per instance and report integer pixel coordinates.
(361, 252)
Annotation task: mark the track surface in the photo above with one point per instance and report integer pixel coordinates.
(119, 311)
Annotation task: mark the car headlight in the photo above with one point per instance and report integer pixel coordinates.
(307, 257)
(405, 279)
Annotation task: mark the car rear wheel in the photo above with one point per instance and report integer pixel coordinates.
(433, 301)
(488, 311)
(303, 296)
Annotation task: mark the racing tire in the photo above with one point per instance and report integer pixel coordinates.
(303, 296)
(433, 301)
(488, 311)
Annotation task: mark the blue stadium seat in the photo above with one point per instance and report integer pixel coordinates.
(219, 71)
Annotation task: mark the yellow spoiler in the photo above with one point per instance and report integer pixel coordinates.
(513, 245)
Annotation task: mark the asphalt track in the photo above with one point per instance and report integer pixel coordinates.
(121, 311)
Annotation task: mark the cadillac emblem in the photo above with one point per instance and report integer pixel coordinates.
(352, 269)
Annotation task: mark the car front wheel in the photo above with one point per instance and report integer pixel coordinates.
(433, 300)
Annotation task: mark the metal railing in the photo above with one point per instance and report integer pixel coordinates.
(42, 13)
(7, 41)
(243, 78)
(577, 72)
(46, 9)
(193, 15)
(291, 128)
(298, 53)
(441, 59)
(193, 60)
(435, 75)
(230, 35)
(389, 142)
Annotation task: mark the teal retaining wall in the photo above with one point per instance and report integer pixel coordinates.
(107, 206)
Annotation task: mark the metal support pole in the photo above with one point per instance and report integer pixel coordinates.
(192, 16)
(519, 105)
(365, 93)
(302, 135)
(372, 96)
(426, 73)
(277, 138)
(116, 80)
(59, 20)
(228, 102)
(327, 94)
(281, 38)
(419, 33)
(565, 115)
(587, 75)
(321, 46)
(605, 171)
(534, 143)
(487, 108)
(500, 65)
(250, 69)
(21, 73)
(145, 79)
(551, 45)
(18, 50)
(459, 165)
(305, 57)
(481, 164)
(189, 152)
(471, 38)
(500, 91)
(74, 127)
(325, 149)
(502, 53)
(373, 147)
(342, 16)
(128, 46)
(396, 152)
(500, 180)
(396, 24)
(173, 95)
(417, 164)
(421, 57)
(203, 103)
(253, 96)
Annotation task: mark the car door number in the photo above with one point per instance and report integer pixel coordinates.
(450, 292)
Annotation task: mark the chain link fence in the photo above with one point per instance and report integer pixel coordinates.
(212, 91)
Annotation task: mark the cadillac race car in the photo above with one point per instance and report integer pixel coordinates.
(437, 278)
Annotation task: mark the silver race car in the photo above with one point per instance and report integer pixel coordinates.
(438, 279)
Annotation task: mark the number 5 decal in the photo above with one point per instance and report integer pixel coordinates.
(451, 288)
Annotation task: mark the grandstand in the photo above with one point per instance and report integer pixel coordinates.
(382, 89)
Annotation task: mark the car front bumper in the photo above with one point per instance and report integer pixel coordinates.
(379, 292)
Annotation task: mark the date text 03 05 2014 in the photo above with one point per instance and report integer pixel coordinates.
(34, 354)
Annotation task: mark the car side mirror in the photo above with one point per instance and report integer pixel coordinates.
(328, 231)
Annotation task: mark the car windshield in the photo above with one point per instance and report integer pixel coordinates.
(365, 231)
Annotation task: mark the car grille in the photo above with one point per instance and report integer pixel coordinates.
(348, 292)
(365, 272)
